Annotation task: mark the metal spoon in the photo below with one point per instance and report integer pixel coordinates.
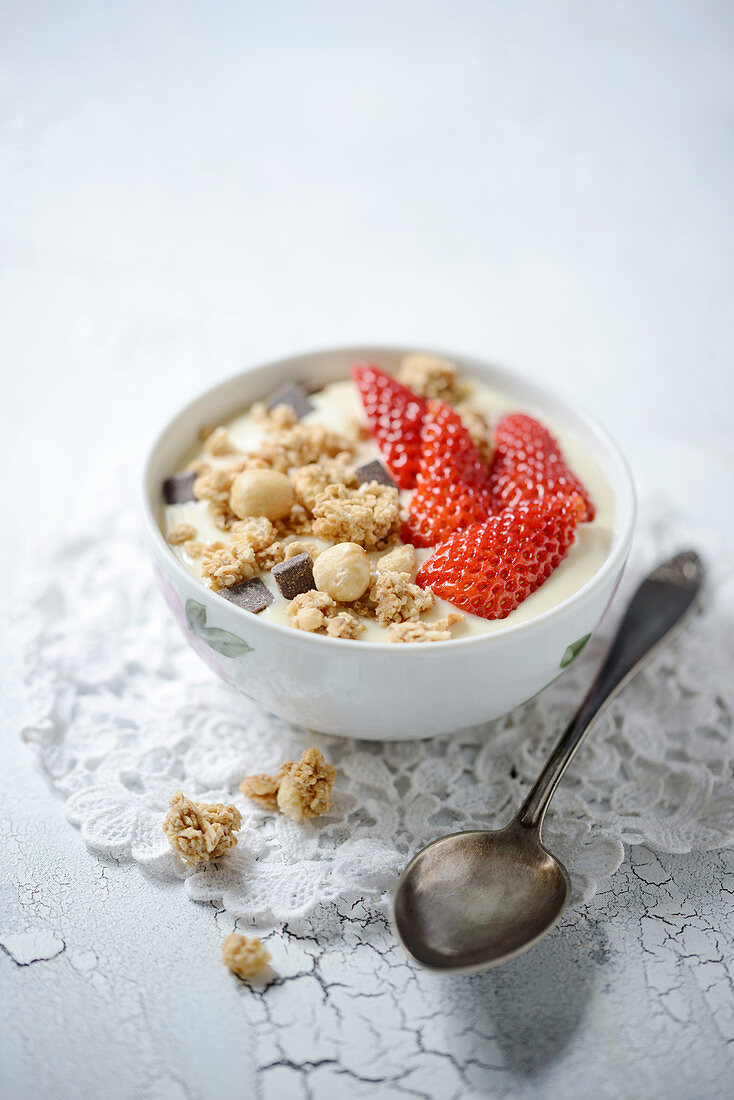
(472, 900)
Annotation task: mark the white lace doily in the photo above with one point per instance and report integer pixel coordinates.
(123, 713)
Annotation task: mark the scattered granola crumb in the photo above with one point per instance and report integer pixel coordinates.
(301, 789)
(262, 789)
(305, 786)
(430, 376)
(201, 830)
(395, 598)
(219, 444)
(417, 631)
(310, 610)
(476, 424)
(400, 560)
(245, 956)
(182, 532)
(369, 515)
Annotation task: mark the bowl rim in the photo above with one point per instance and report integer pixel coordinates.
(625, 503)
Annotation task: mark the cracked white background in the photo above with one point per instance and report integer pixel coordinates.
(183, 191)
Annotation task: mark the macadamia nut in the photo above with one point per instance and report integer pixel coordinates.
(261, 493)
(343, 572)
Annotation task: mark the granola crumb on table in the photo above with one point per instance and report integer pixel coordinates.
(262, 790)
(246, 956)
(201, 831)
(301, 789)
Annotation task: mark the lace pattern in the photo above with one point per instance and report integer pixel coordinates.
(122, 713)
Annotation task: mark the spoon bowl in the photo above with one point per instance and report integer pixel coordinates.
(472, 900)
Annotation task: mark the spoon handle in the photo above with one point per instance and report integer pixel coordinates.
(658, 606)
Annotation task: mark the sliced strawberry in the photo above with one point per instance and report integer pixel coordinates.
(529, 465)
(488, 569)
(452, 484)
(395, 416)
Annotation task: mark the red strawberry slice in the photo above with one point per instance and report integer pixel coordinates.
(529, 465)
(488, 569)
(452, 484)
(395, 415)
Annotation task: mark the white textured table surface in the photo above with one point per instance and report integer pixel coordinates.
(184, 191)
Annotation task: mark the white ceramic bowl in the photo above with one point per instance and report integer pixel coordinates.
(368, 689)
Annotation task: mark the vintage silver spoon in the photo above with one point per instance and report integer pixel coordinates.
(472, 900)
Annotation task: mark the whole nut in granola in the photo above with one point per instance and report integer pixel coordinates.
(261, 493)
(343, 572)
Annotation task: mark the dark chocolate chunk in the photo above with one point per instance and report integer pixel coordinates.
(251, 595)
(374, 471)
(290, 393)
(179, 489)
(294, 575)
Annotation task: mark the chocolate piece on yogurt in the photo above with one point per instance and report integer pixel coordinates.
(293, 394)
(250, 595)
(179, 489)
(374, 471)
(294, 575)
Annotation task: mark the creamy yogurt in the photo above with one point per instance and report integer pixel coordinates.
(336, 407)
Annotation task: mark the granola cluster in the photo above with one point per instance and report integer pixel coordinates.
(417, 631)
(400, 560)
(302, 445)
(430, 376)
(317, 613)
(181, 534)
(218, 444)
(301, 789)
(246, 956)
(312, 481)
(201, 831)
(369, 515)
(480, 431)
(396, 599)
